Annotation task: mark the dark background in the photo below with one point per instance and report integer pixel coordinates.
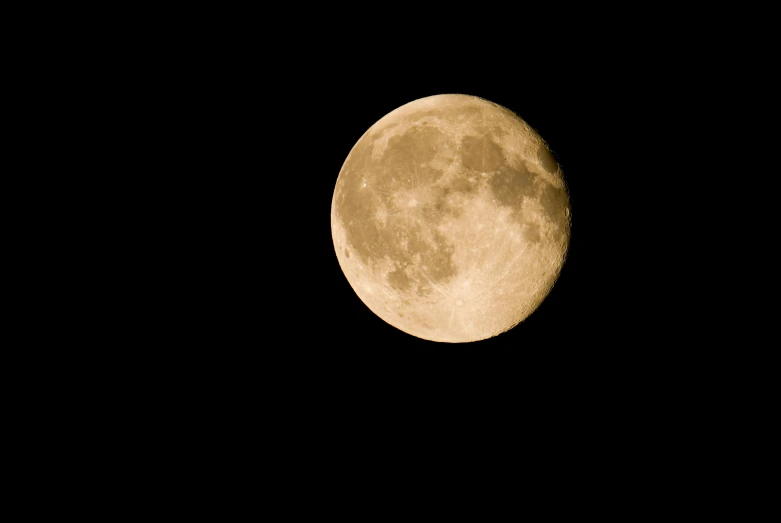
(256, 211)
(220, 326)
(225, 316)
(251, 137)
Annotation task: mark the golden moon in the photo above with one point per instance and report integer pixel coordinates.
(451, 218)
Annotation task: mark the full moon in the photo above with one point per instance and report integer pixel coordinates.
(451, 218)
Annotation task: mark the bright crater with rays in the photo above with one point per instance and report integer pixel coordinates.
(450, 219)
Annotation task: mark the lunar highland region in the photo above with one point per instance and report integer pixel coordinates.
(451, 219)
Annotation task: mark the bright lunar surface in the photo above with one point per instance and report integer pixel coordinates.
(450, 218)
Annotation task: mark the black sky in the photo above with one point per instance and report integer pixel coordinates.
(255, 136)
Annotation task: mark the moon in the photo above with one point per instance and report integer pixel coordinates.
(451, 219)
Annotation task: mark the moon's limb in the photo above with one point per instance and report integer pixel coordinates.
(450, 219)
